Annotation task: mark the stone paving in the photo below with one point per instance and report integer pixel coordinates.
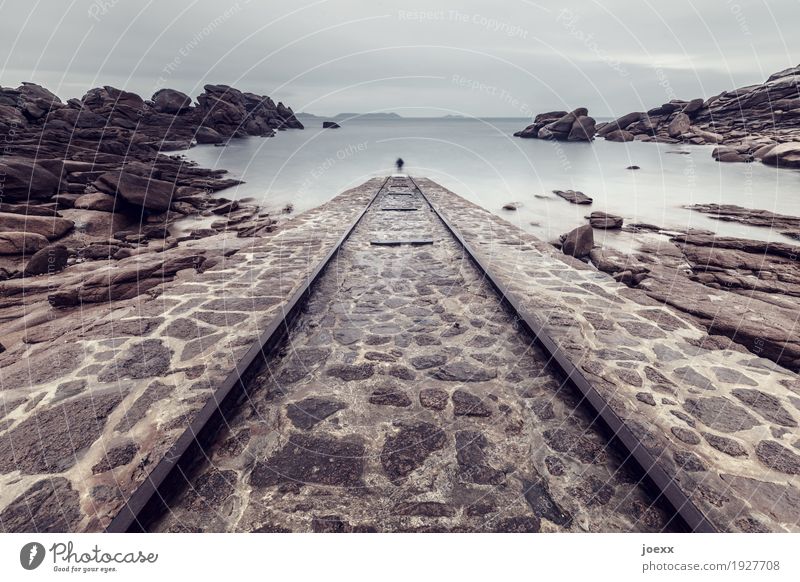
(408, 399)
(404, 376)
(723, 420)
(89, 405)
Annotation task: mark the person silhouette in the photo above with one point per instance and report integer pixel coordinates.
(399, 163)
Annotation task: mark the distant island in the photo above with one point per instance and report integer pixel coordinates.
(347, 116)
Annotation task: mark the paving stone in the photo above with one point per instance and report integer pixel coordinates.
(146, 359)
(466, 404)
(51, 441)
(319, 460)
(461, 371)
(390, 396)
(350, 373)
(720, 414)
(48, 506)
(538, 496)
(766, 405)
(575, 445)
(433, 398)
(408, 449)
(776, 456)
(428, 361)
(471, 457)
(685, 435)
(307, 413)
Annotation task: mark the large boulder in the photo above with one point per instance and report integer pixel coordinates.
(620, 135)
(51, 227)
(171, 101)
(582, 130)
(578, 242)
(785, 155)
(25, 179)
(47, 261)
(206, 135)
(137, 190)
(96, 201)
(18, 243)
(679, 125)
(620, 123)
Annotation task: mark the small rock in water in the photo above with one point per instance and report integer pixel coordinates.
(511, 206)
(573, 196)
(605, 220)
(330, 125)
(633, 168)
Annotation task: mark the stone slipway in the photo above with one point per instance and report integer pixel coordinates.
(719, 418)
(87, 411)
(88, 407)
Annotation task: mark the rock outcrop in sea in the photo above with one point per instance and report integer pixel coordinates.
(89, 179)
(562, 126)
(757, 122)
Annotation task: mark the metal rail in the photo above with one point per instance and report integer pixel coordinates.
(664, 488)
(149, 500)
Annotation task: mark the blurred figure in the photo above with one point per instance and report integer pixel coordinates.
(399, 163)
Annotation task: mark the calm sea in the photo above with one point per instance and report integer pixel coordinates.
(480, 160)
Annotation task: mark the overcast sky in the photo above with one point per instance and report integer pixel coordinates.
(425, 57)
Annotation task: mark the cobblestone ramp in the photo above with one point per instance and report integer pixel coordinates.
(88, 410)
(722, 420)
(407, 399)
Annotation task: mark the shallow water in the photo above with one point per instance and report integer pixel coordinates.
(480, 160)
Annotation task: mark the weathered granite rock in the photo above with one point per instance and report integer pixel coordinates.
(604, 220)
(578, 242)
(47, 261)
(573, 196)
(19, 243)
(51, 227)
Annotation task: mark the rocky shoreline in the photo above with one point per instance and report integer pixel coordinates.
(89, 197)
(757, 122)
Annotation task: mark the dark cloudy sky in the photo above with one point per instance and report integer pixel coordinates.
(426, 57)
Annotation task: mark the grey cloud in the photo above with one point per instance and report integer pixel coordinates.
(337, 55)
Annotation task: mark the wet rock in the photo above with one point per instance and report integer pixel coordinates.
(511, 206)
(51, 441)
(96, 201)
(146, 359)
(308, 413)
(319, 460)
(646, 397)
(766, 405)
(679, 125)
(786, 155)
(330, 125)
(48, 506)
(538, 496)
(777, 457)
(408, 449)
(433, 398)
(578, 242)
(466, 404)
(720, 414)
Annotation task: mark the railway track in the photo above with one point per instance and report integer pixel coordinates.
(404, 390)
